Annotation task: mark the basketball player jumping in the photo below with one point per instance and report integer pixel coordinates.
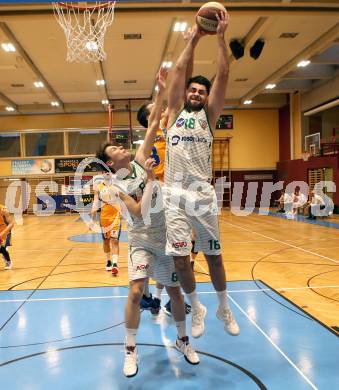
(190, 200)
(146, 242)
(159, 153)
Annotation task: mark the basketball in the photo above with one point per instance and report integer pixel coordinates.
(206, 16)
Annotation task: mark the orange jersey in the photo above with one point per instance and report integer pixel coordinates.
(3, 224)
(110, 215)
(160, 150)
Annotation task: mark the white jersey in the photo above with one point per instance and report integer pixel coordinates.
(140, 234)
(188, 149)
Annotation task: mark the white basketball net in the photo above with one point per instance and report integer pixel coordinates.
(85, 29)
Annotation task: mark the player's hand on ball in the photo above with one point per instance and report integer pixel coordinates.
(223, 21)
(197, 32)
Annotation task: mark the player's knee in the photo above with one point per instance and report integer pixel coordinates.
(135, 292)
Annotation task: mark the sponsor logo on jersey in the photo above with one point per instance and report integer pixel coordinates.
(187, 138)
(181, 244)
(141, 267)
(180, 122)
(175, 139)
(191, 138)
(203, 123)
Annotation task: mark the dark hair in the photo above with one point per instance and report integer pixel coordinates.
(142, 115)
(101, 154)
(200, 80)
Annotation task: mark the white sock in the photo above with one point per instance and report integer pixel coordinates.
(115, 259)
(108, 256)
(222, 296)
(193, 298)
(130, 337)
(181, 326)
(157, 293)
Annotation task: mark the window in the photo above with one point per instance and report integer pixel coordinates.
(9, 145)
(44, 144)
(86, 142)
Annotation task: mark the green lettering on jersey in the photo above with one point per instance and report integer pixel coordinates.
(190, 123)
(174, 277)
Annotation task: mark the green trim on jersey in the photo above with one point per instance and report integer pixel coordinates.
(208, 121)
(168, 127)
(133, 175)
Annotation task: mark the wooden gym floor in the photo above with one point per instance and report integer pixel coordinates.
(297, 259)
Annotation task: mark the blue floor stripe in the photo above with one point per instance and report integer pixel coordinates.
(67, 343)
(95, 237)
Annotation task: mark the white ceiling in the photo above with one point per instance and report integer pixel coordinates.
(37, 33)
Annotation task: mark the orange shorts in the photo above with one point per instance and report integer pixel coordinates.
(110, 222)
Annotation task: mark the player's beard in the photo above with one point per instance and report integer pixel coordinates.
(197, 106)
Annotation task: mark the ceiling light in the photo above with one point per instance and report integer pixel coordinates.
(303, 63)
(55, 104)
(91, 46)
(38, 84)
(180, 26)
(8, 47)
(270, 86)
(100, 82)
(138, 142)
(156, 88)
(105, 101)
(248, 101)
(167, 64)
(9, 108)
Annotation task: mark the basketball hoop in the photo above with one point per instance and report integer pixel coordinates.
(305, 156)
(85, 27)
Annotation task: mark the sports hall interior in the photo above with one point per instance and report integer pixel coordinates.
(280, 122)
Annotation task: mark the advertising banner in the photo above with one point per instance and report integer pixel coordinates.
(71, 164)
(33, 167)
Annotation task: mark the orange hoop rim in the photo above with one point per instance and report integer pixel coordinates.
(92, 7)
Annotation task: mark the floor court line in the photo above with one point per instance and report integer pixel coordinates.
(282, 242)
(274, 345)
(164, 294)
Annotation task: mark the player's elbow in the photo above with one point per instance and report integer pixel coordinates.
(179, 68)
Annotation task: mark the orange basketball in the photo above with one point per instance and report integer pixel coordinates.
(206, 16)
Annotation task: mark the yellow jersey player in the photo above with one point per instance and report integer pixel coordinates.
(110, 222)
(6, 226)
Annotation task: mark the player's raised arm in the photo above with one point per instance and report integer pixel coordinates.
(95, 205)
(142, 207)
(216, 98)
(145, 149)
(187, 35)
(177, 87)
